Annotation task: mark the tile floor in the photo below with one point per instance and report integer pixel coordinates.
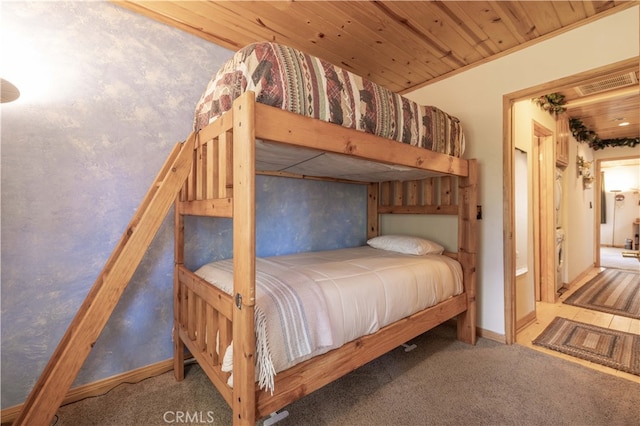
(545, 312)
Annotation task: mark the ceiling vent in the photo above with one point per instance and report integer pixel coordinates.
(608, 83)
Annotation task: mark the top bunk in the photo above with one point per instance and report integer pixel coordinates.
(314, 119)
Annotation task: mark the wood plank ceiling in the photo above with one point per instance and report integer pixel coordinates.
(402, 45)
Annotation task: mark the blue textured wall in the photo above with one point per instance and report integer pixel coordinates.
(77, 156)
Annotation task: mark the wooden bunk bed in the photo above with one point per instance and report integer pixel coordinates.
(214, 174)
(229, 152)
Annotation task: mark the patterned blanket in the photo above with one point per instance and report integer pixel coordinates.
(286, 78)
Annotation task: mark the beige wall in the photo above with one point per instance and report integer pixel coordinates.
(476, 96)
(579, 215)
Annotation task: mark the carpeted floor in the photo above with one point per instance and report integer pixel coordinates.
(441, 382)
(614, 291)
(612, 348)
(611, 257)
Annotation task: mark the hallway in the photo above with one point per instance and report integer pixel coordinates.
(545, 312)
(611, 257)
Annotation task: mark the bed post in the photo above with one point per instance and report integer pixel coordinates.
(373, 219)
(244, 260)
(178, 260)
(467, 248)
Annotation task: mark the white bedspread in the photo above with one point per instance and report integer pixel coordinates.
(339, 295)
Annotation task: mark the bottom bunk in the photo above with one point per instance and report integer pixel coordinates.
(404, 295)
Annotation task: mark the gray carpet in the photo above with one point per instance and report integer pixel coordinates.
(442, 382)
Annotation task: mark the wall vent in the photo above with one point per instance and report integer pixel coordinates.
(608, 83)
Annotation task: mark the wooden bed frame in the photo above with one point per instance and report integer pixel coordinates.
(222, 184)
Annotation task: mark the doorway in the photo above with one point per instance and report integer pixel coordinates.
(535, 214)
(508, 178)
(617, 210)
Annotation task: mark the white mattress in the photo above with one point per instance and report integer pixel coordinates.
(366, 288)
(350, 293)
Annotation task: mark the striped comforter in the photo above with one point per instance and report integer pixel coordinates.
(286, 78)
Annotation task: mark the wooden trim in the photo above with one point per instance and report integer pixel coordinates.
(526, 320)
(535, 220)
(545, 217)
(597, 202)
(491, 335)
(99, 387)
(508, 219)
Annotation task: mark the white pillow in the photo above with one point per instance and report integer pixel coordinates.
(406, 244)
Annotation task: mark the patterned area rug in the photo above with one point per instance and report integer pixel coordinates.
(611, 348)
(614, 291)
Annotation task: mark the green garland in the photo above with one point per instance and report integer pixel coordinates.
(583, 134)
(553, 103)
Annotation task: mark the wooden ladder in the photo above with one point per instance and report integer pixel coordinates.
(72, 351)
